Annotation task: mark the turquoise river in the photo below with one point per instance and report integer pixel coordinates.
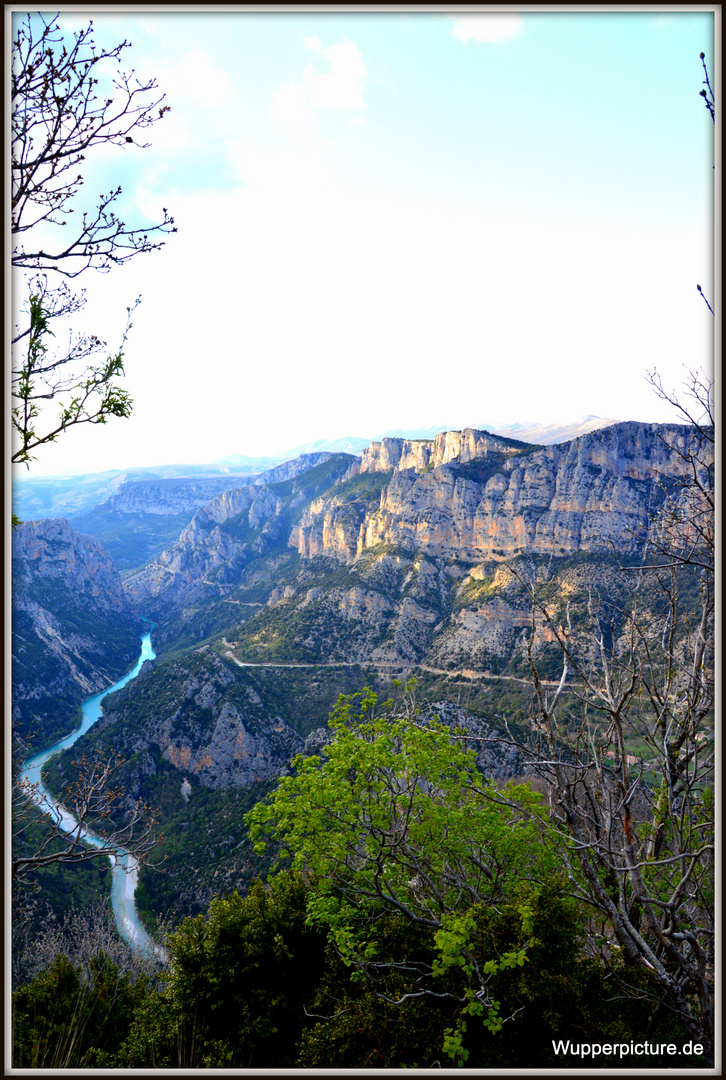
(124, 867)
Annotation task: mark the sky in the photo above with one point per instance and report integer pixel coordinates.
(399, 219)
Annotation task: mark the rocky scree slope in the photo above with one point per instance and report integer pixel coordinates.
(74, 630)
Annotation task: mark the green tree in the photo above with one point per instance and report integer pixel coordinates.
(395, 820)
(236, 986)
(560, 993)
(74, 1016)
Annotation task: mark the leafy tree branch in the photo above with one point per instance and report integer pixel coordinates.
(88, 396)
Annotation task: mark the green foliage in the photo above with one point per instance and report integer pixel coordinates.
(365, 486)
(252, 984)
(237, 985)
(68, 1018)
(395, 819)
(557, 993)
(86, 397)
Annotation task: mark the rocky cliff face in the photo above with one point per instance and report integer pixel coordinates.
(245, 517)
(216, 729)
(448, 446)
(50, 551)
(465, 495)
(288, 470)
(446, 526)
(74, 631)
(226, 539)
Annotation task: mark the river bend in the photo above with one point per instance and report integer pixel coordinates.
(124, 869)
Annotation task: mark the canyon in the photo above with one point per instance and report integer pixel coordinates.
(74, 629)
(333, 572)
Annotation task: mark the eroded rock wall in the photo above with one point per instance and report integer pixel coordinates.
(74, 630)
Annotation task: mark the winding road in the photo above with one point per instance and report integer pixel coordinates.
(464, 673)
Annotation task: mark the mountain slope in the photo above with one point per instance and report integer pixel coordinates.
(340, 573)
(74, 631)
(394, 560)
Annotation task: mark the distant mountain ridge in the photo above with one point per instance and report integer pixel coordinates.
(555, 432)
(36, 497)
(71, 496)
(529, 431)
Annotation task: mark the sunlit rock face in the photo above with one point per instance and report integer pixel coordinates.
(49, 550)
(460, 446)
(469, 495)
(331, 526)
(318, 553)
(241, 524)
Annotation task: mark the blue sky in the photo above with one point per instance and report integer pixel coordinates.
(399, 219)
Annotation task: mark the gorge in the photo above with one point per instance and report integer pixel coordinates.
(457, 587)
(124, 867)
(362, 570)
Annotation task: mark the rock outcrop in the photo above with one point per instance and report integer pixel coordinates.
(448, 446)
(288, 470)
(467, 495)
(442, 510)
(167, 498)
(239, 526)
(215, 728)
(74, 630)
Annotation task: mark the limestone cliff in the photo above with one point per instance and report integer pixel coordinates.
(74, 631)
(226, 539)
(288, 470)
(464, 495)
(381, 556)
(214, 727)
(447, 446)
(166, 497)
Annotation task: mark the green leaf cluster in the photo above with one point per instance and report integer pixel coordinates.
(396, 820)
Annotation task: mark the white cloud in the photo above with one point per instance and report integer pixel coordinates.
(293, 175)
(341, 87)
(290, 111)
(198, 80)
(328, 281)
(485, 27)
